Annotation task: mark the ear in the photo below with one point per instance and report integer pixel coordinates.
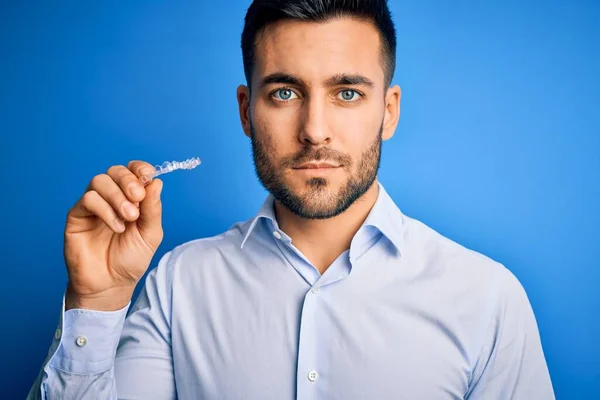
(392, 111)
(243, 98)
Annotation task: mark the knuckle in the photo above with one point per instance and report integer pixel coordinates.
(131, 164)
(142, 168)
(89, 200)
(97, 180)
(88, 197)
(114, 169)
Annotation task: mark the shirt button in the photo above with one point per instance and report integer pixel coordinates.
(316, 289)
(312, 376)
(57, 334)
(81, 341)
(277, 235)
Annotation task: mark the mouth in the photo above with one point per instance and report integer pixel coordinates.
(317, 166)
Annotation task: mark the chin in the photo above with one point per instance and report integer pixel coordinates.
(317, 198)
(317, 188)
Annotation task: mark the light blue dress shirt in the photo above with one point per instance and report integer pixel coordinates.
(405, 313)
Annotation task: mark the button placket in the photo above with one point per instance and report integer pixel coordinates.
(308, 361)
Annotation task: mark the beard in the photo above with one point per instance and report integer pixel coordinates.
(320, 201)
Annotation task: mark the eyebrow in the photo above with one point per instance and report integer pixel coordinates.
(336, 80)
(279, 77)
(346, 79)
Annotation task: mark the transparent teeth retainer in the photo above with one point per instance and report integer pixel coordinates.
(167, 167)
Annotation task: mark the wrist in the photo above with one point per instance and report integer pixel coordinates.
(113, 299)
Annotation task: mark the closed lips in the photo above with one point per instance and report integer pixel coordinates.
(316, 166)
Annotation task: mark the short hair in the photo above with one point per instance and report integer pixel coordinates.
(264, 12)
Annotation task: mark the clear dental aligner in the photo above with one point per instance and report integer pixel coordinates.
(167, 167)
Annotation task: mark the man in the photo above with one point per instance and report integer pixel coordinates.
(329, 292)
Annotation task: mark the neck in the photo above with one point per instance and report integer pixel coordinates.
(323, 240)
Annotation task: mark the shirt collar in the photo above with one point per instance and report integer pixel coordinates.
(267, 211)
(385, 216)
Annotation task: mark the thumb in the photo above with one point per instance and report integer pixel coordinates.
(150, 219)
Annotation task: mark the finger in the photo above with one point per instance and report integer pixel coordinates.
(150, 220)
(108, 189)
(128, 182)
(92, 204)
(142, 170)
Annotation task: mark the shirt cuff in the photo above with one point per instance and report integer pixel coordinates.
(86, 340)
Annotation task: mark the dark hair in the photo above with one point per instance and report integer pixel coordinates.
(264, 12)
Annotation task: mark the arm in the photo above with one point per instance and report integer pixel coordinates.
(512, 363)
(120, 358)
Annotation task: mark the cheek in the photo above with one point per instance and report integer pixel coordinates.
(276, 129)
(356, 129)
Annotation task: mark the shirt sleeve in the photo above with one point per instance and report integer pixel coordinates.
(112, 355)
(512, 363)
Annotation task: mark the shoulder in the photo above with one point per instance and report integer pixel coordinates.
(200, 251)
(458, 264)
(213, 247)
(484, 293)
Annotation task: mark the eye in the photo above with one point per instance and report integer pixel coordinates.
(349, 95)
(283, 94)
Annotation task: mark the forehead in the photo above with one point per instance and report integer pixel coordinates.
(315, 51)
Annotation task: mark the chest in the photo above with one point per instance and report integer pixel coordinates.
(337, 342)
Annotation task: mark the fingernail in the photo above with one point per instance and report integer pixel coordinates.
(129, 209)
(157, 194)
(119, 225)
(137, 191)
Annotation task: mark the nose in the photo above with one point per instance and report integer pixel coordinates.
(314, 128)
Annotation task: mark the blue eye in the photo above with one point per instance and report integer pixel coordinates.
(349, 95)
(283, 94)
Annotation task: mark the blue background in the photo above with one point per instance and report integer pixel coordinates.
(497, 147)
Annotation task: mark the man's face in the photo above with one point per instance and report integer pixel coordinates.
(317, 113)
